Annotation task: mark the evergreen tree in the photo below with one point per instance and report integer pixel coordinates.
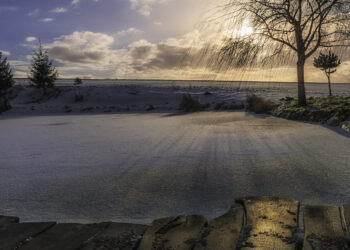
(6, 82)
(6, 76)
(327, 63)
(42, 73)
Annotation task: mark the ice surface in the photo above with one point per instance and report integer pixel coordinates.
(136, 167)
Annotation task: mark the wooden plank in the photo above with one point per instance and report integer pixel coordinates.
(323, 228)
(271, 223)
(117, 236)
(173, 233)
(223, 232)
(65, 236)
(16, 234)
(5, 220)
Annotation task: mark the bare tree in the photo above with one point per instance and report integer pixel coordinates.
(298, 27)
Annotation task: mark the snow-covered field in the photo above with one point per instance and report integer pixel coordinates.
(113, 96)
(135, 167)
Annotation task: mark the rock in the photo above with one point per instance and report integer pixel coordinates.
(319, 115)
(346, 126)
(334, 121)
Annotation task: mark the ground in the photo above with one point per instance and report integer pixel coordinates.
(139, 166)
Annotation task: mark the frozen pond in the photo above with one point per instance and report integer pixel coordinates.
(136, 167)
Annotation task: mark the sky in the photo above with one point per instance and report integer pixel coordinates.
(124, 39)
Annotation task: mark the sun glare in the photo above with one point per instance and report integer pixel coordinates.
(240, 31)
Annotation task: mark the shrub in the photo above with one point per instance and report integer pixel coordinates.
(259, 105)
(78, 96)
(150, 107)
(189, 104)
(219, 105)
(78, 81)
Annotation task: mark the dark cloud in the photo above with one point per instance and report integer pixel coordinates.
(141, 53)
(66, 54)
(167, 57)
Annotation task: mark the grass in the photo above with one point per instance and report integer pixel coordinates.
(318, 109)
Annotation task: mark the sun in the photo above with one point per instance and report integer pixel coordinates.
(244, 30)
(241, 30)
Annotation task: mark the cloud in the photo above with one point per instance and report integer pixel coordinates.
(128, 31)
(31, 39)
(66, 54)
(46, 20)
(8, 8)
(59, 10)
(144, 7)
(81, 47)
(34, 12)
(190, 56)
(96, 53)
(75, 2)
(5, 53)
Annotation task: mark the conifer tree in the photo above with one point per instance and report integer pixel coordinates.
(6, 82)
(6, 76)
(42, 72)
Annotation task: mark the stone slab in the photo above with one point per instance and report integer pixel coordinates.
(5, 220)
(323, 228)
(271, 223)
(16, 234)
(65, 236)
(223, 232)
(119, 236)
(176, 233)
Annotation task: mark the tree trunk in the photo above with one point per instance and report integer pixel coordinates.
(301, 83)
(329, 85)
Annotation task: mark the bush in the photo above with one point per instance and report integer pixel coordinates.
(78, 98)
(150, 108)
(78, 81)
(259, 105)
(4, 104)
(189, 104)
(219, 105)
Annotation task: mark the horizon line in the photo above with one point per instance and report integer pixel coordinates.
(183, 80)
